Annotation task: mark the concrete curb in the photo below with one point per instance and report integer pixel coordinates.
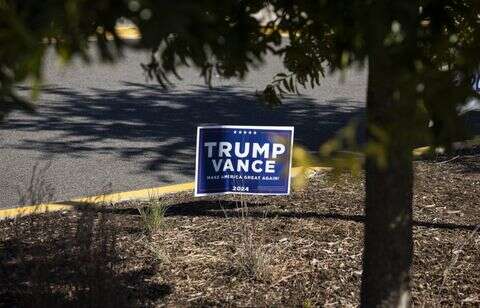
(141, 194)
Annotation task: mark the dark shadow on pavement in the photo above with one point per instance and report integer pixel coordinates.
(147, 122)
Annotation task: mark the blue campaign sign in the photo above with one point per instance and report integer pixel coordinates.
(476, 82)
(243, 160)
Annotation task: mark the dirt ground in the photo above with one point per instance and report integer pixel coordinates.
(303, 250)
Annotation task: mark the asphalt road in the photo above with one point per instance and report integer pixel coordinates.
(103, 128)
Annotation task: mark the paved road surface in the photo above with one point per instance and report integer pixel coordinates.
(103, 128)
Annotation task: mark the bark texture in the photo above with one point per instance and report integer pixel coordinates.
(388, 246)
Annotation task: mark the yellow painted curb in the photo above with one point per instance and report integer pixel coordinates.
(105, 198)
(128, 32)
(141, 194)
(421, 151)
(135, 194)
(428, 150)
(32, 209)
(131, 32)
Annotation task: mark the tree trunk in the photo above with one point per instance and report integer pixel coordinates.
(388, 245)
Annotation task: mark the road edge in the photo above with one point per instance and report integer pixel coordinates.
(139, 194)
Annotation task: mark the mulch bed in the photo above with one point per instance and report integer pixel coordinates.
(304, 250)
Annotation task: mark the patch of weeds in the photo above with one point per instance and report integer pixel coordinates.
(38, 189)
(153, 216)
(252, 258)
(153, 220)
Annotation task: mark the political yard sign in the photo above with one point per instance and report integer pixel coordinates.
(243, 160)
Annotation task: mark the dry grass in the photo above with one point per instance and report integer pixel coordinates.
(252, 257)
(38, 189)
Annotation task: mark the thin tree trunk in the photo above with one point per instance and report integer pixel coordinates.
(388, 244)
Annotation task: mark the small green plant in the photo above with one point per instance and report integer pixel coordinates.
(308, 304)
(153, 216)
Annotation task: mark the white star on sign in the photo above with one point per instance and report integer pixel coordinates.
(254, 132)
(250, 132)
(245, 132)
(234, 131)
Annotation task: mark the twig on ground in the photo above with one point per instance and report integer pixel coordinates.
(290, 276)
(448, 160)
